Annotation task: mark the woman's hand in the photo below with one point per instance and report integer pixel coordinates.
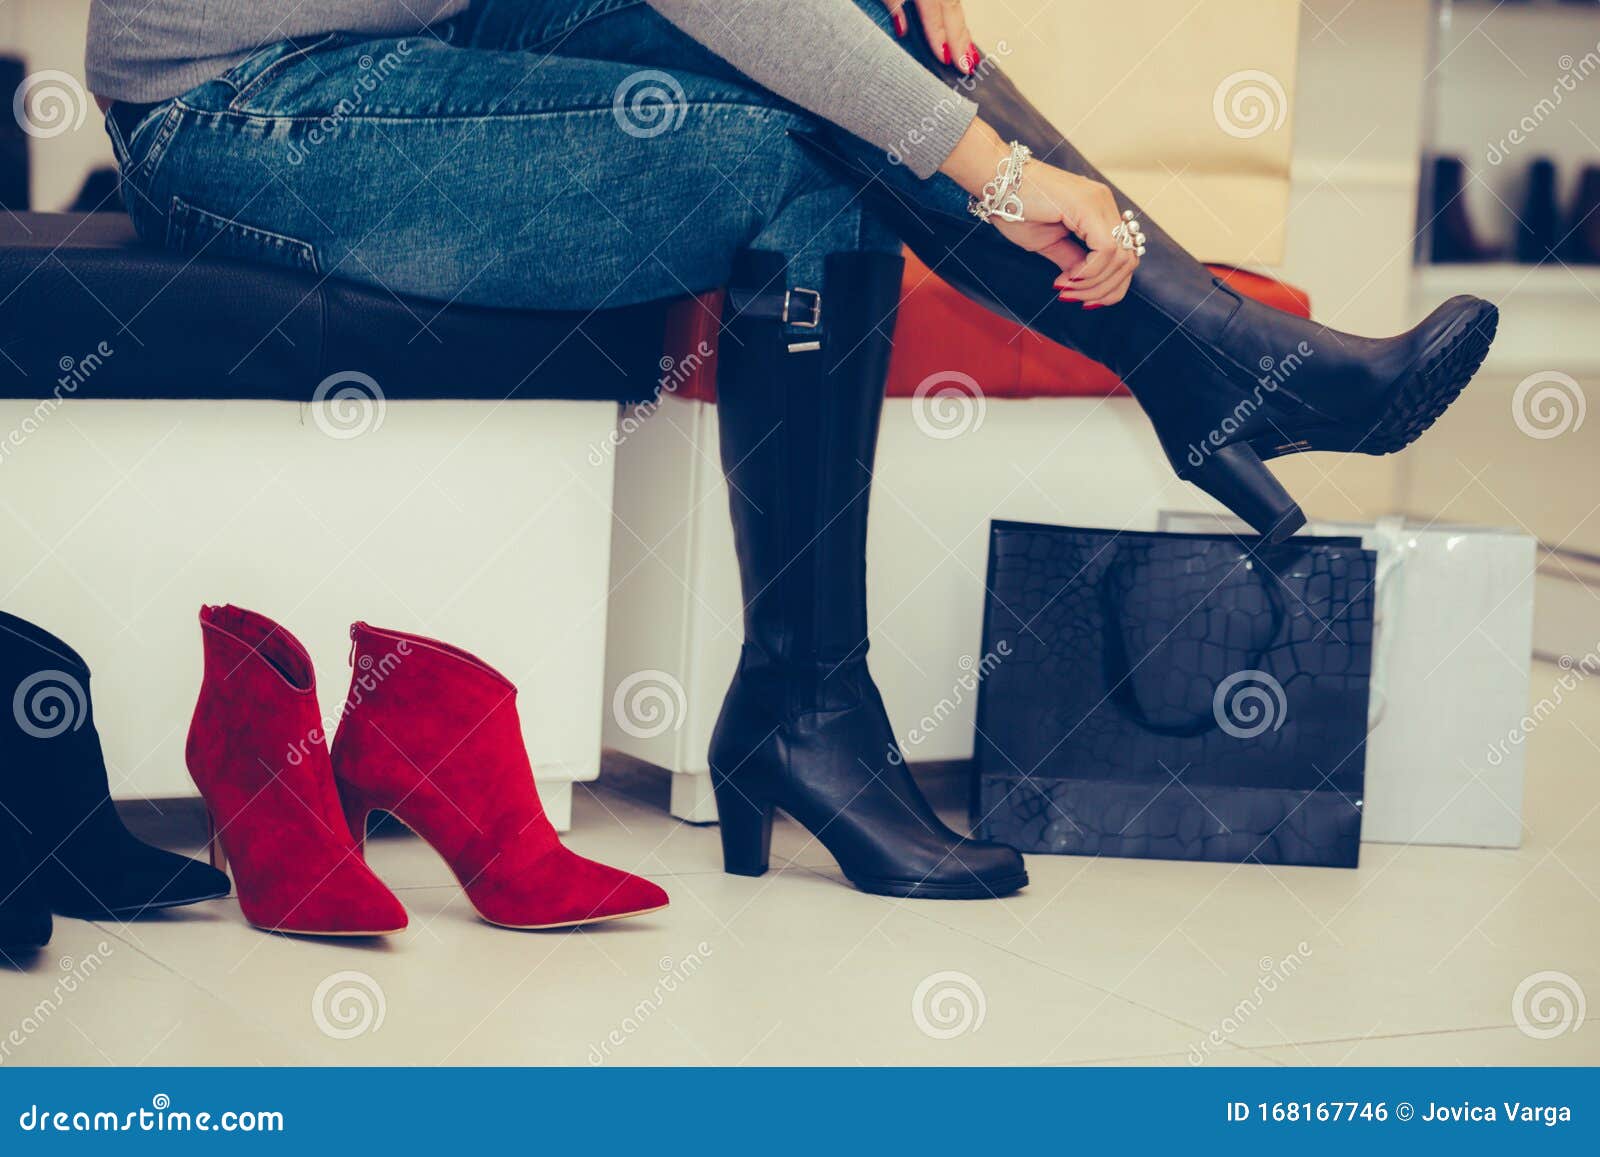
(945, 25)
(1067, 218)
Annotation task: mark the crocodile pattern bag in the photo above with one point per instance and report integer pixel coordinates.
(1174, 696)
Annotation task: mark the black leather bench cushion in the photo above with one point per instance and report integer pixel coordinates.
(191, 327)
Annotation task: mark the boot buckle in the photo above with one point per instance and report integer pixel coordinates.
(815, 308)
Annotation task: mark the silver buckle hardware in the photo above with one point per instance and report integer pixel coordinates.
(816, 308)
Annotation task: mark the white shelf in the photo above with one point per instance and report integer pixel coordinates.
(1505, 278)
(1549, 314)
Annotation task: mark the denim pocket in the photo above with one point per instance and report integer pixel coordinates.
(251, 76)
(191, 229)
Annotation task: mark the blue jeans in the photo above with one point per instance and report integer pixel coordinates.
(536, 154)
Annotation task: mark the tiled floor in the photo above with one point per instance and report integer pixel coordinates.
(1413, 959)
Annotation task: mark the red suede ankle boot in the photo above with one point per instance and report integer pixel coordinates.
(430, 735)
(259, 754)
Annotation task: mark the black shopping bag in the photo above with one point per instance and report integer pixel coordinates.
(1174, 696)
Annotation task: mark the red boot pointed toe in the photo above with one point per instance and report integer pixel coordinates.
(258, 753)
(620, 893)
(431, 735)
(561, 890)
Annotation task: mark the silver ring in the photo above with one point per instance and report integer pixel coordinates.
(1129, 234)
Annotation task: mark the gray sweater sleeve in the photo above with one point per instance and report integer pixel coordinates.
(828, 57)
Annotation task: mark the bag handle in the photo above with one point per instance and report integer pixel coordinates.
(1119, 669)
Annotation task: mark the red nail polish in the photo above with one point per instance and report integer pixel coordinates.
(899, 19)
(976, 55)
(1095, 305)
(948, 59)
(972, 57)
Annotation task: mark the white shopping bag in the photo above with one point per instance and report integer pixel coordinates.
(1452, 649)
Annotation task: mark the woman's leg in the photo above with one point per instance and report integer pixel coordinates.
(488, 177)
(1227, 382)
(631, 32)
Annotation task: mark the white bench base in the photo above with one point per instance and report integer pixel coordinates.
(481, 523)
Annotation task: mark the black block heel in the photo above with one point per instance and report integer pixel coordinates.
(746, 830)
(1236, 477)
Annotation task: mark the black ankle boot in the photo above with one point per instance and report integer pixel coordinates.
(1451, 237)
(1539, 223)
(1226, 381)
(1583, 225)
(53, 782)
(803, 727)
(24, 918)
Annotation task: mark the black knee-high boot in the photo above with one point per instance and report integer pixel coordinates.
(53, 783)
(1226, 381)
(803, 727)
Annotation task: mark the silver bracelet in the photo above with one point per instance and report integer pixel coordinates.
(1000, 196)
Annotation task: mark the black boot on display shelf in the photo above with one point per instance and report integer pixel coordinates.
(1226, 381)
(24, 917)
(1451, 237)
(1538, 225)
(53, 783)
(803, 727)
(1583, 227)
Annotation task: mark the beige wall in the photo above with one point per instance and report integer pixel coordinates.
(1191, 110)
(49, 34)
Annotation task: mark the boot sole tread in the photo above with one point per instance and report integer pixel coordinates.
(1436, 382)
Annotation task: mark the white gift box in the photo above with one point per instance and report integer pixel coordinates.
(1452, 648)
